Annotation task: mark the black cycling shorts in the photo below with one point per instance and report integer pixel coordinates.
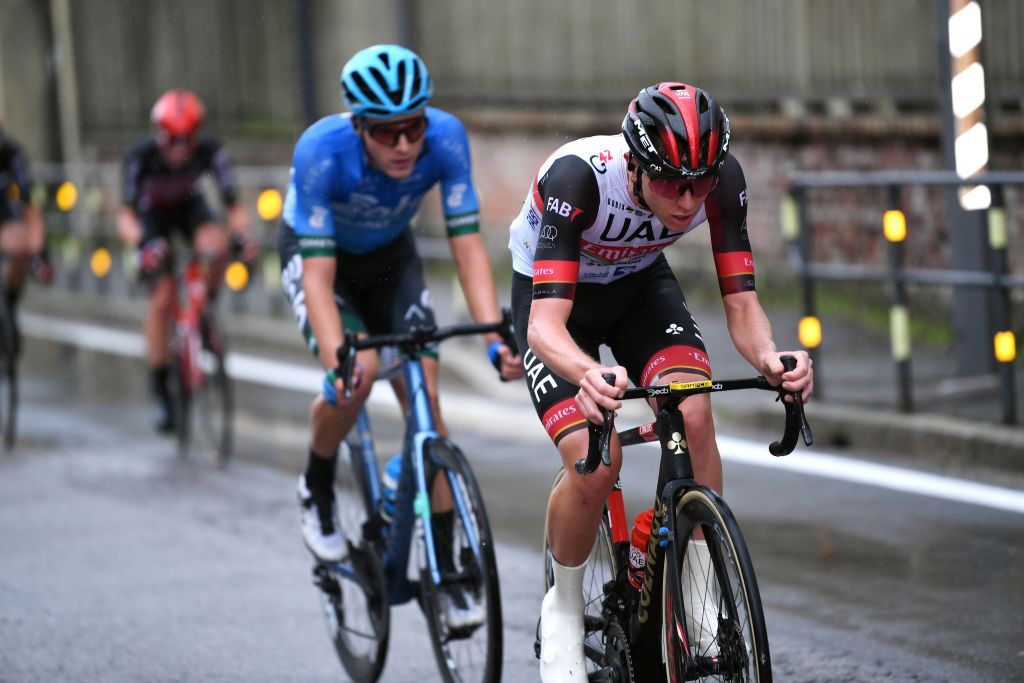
(185, 219)
(380, 292)
(642, 317)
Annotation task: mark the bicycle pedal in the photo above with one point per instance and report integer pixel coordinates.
(604, 675)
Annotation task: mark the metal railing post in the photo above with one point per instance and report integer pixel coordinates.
(997, 239)
(804, 246)
(894, 225)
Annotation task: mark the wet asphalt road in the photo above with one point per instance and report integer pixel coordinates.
(119, 562)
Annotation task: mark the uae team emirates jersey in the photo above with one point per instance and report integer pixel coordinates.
(579, 223)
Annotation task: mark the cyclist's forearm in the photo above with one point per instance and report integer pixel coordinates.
(749, 328)
(323, 319)
(238, 219)
(476, 279)
(128, 226)
(552, 343)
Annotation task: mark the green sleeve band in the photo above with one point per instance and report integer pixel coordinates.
(464, 224)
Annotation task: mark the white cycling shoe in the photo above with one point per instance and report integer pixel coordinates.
(319, 520)
(700, 598)
(561, 628)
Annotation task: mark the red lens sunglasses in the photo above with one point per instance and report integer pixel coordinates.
(388, 133)
(671, 188)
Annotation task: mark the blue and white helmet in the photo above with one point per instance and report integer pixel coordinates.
(384, 81)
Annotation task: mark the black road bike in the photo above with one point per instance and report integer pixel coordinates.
(715, 630)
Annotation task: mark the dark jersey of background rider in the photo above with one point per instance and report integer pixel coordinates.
(15, 179)
(151, 185)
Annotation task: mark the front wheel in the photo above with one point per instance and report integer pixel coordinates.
(8, 377)
(463, 612)
(712, 622)
(355, 603)
(204, 399)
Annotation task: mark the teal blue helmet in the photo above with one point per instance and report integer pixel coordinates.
(384, 81)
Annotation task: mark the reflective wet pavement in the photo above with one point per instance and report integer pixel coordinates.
(121, 562)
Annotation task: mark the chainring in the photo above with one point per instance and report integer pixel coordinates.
(616, 651)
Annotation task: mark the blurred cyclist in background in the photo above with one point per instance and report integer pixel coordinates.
(589, 270)
(349, 259)
(22, 237)
(162, 193)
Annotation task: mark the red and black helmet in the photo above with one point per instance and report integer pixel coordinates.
(179, 112)
(675, 129)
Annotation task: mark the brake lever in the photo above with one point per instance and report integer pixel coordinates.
(346, 362)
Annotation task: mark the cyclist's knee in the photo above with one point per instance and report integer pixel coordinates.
(210, 241)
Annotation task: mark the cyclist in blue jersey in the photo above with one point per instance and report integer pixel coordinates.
(349, 260)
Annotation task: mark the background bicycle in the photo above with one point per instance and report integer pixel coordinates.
(656, 607)
(9, 340)
(455, 577)
(201, 389)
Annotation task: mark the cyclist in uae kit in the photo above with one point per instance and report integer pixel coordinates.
(22, 236)
(162, 194)
(589, 270)
(348, 256)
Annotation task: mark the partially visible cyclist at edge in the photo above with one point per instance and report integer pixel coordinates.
(163, 193)
(22, 236)
(349, 260)
(589, 270)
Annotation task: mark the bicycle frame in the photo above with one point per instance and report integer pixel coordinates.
(675, 477)
(413, 493)
(187, 323)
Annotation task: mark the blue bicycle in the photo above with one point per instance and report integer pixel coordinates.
(455, 550)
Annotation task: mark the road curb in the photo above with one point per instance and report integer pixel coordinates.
(938, 441)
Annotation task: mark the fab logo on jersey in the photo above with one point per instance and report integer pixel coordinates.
(556, 205)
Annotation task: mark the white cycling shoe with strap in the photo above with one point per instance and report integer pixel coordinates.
(561, 628)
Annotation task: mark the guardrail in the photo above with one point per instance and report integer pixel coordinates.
(799, 233)
(80, 217)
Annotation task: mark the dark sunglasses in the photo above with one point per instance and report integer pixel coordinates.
(167, 140)
(388, 133)
(671, 188)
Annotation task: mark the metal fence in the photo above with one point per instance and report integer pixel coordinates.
(800, 232)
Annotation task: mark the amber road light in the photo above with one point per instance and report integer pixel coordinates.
(236, 276)
(1005, 347)
(101, 262)
(810, 332)
(268, 204)
(67, 196)
(894, 223)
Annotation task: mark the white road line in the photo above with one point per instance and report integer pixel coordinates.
(307, 379)
(827, 465)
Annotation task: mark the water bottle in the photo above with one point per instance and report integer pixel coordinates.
(389, 488)
(638, 547)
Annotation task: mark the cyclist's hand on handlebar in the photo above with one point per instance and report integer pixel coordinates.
(245, 247)
(596, 393)
(800, 379)
(334, 384)
(508, 364)
(154, 256)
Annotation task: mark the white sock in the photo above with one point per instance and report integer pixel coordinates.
(700, 596)
(561, 628)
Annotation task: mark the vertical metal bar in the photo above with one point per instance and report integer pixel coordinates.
(1002, 313)
(899, 321)
(804, 244)
(307, 71)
